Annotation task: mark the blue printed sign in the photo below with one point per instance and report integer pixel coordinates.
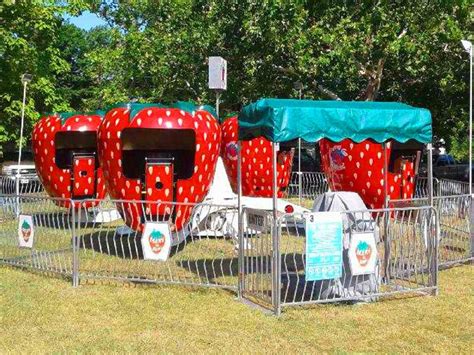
(323, 246)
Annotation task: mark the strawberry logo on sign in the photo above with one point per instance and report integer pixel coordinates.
(157, 241)
(363, 253)
(26, 231)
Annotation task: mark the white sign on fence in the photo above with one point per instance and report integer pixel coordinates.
(257, 220)
(26, 231)
(323, 246)
(156, 241)
(362, 253)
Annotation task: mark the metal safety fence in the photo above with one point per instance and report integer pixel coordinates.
(456, 244)
(202, 252)
(307, 184)
(36, 234)
(313, 184)
(456, 240)
(108, 240)
(22, 184)
(276, 273)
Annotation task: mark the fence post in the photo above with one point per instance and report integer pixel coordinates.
(437, 185)
(75, 246)
(300, 182)
(240, 224)
(276, 270)
(387, 238)
(433, 247)
(471, 224)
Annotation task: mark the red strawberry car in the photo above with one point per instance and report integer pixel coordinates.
(158, 154)
(256, 162)
(65, 155)
(358, 167)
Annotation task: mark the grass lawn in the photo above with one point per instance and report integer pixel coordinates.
(42, 314)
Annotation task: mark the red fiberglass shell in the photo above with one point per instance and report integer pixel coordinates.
(256, 162)
(159, 154)
(64, 149)
(358, 167)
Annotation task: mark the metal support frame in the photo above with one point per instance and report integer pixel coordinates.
(432, 237)
(471, 212)
(218, 102)
(430, 173)
(240, 217)
(276, 269)
(22, 124)
(471, 225)
(470, 120)
(385, 175)
(387, 241)
(300, 175)
(75, 245)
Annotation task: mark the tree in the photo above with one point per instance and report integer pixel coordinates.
(28, 44)
(157, 50)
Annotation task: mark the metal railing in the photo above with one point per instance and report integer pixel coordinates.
(49, 231)
(456, 243)
(92, 241)
(274, 266)
(312, 184)
(267, 266)
(27, 185)
(203, 253)
(453, 187)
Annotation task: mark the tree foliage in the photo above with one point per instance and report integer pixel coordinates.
(156, 51)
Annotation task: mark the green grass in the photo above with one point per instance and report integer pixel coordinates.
(39, 314)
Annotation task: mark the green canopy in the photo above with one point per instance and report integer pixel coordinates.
(282, 120)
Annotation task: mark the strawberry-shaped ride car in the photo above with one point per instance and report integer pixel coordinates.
(359, 167)
(65, 155)
(164, 156)
(256, 162)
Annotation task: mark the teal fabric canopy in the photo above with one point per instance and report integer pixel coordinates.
(282, 120)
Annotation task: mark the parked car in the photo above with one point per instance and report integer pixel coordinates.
(28, 179)
(446, 167)
(310, 161)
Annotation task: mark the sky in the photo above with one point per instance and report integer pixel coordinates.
(86, 21)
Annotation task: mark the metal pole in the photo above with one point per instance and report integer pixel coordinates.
(218, 102)
(240, 232)
(387, 238)
(17, 185)
(385, 175)
(430, 173)
(299, 86)
(275, 235)
(75, 246)
(432, 238)
(300, 176)
(470, 121)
